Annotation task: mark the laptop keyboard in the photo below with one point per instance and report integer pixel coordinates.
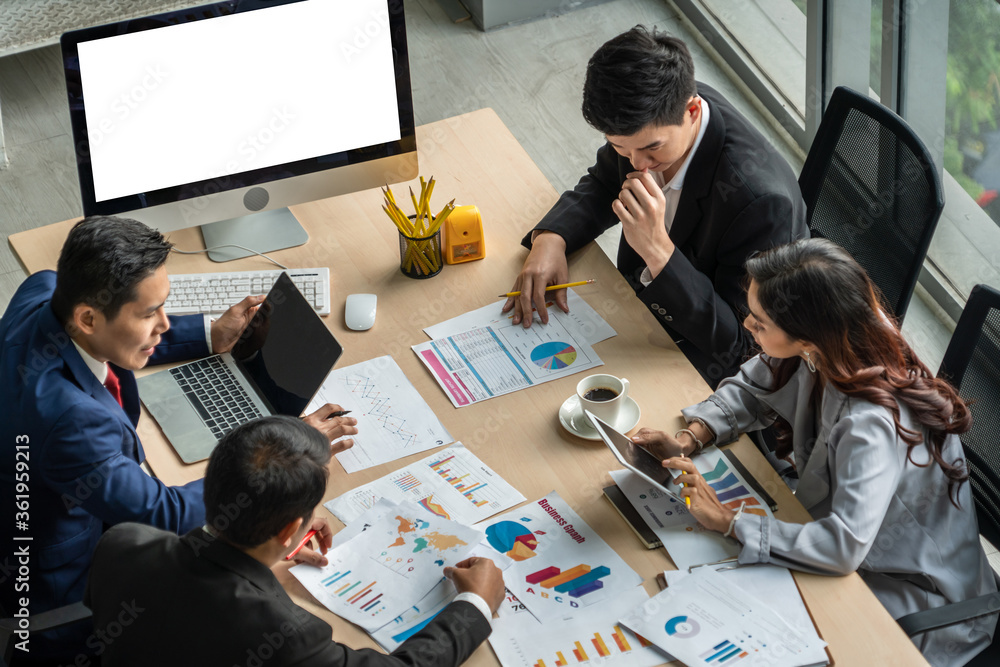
(216, 394)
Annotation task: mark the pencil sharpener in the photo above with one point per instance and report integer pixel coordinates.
(463, 236)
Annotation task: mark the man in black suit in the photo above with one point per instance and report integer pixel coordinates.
(696, 187)
(209, 598)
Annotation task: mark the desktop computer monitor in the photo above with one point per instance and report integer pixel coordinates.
(223, 115)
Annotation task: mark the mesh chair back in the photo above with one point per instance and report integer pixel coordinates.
(972, 364)
(870, 186)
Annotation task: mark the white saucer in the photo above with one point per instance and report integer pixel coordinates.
(574, 421)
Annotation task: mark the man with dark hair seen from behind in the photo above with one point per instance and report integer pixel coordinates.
(214, 590)
(695, 186)
(70, 341)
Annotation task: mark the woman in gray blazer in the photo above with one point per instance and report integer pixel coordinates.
(873, 434)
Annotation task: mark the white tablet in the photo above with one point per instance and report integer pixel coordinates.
(637, 458)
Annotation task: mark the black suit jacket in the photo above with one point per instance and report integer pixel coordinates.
(195, 600)
(739, 197)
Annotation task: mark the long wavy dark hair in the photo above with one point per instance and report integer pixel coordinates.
(815, 292)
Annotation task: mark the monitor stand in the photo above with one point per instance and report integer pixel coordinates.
(264, 231)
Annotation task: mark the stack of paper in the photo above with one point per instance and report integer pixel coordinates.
(705, 619)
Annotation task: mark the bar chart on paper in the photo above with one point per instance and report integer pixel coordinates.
(591, 636)
(366, 597)
(452, 484)
(378, 574)
(393, 419)
(732, 491)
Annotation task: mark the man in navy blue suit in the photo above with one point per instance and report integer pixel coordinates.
(70, 458)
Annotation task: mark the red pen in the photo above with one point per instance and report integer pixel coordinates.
(309, 536)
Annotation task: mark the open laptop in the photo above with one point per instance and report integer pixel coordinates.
(276, 367)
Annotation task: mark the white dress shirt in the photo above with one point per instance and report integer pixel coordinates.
(672, 188)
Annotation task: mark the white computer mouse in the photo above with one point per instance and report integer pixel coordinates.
(359, 311)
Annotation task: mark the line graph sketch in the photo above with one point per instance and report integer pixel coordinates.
(393, 419)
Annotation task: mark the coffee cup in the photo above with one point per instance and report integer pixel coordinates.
(602, 394)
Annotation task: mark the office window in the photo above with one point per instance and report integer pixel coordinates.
(966, 249)
(772, 34)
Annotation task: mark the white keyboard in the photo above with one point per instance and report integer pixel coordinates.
(213, 293)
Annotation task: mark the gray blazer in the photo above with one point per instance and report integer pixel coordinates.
(874, 511)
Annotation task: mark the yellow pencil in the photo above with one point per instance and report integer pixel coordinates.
(552, 287)
(687, 500)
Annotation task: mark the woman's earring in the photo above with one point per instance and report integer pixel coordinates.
(809, 363)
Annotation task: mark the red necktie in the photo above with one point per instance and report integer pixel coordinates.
(114, 386)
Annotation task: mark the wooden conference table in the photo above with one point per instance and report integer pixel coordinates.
(475, 159)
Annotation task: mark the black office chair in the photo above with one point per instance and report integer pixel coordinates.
(972, 364)
(49, 620)
(870, 185)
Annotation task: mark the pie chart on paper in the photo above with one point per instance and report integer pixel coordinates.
(553, 355)
(513, 539)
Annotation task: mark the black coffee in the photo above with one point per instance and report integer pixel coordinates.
(600, 394)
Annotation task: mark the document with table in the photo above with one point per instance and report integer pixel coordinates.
(498, 357)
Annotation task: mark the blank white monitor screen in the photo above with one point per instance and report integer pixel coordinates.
(200, 100)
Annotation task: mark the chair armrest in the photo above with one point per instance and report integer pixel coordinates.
(949, 614)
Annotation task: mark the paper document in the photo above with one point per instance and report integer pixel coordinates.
(393, 419)
(582, 319)
(775, 586)
(414, 619)
(479, 364)
(452, 483)
(704, 619)
(592, 637)
(560, 564)
(387, 568)
(687, 542)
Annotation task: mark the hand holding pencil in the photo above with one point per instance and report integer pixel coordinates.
(552, 287)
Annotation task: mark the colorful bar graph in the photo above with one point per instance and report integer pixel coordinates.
(568, 575)
(620, 639)
(346, 588)
(406, 482)
(561, 662)
(372, 602)
(334, 578)
(602, 648)
(354, 598)
(589, 588)
(740, 492)
(436, 466)
(579, 582)
(723, 653)
(581, 655)
(749, 509)
(720, 469)
(457, 481)
(542, 575)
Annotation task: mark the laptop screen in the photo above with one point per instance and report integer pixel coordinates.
(286, 351)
